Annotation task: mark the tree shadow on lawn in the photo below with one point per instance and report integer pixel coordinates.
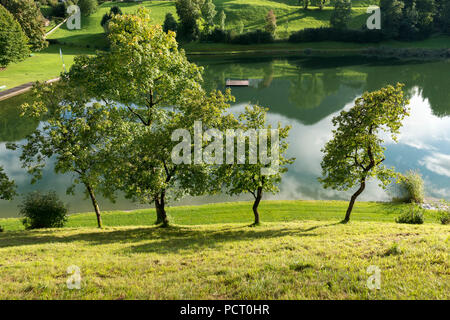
(212, 240)
(163, 240)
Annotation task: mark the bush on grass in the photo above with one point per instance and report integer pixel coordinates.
(414, 215)
(43, 211)
(444, 216)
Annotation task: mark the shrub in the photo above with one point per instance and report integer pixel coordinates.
(217, 35)
(254, 37)
(331, 34)
(414, 215)
(13, 41)
(43, 211)
(1, 229)
(170, 23)
(444, 216)
(410, 188)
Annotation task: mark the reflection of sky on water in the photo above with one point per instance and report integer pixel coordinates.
(424, 144)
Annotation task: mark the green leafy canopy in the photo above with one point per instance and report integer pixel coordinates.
(356, 151)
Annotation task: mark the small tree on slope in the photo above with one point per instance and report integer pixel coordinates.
(355, 154)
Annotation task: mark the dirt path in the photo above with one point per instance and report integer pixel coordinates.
(20, 89)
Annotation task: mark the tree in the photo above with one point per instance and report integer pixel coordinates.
(189, 11)
(391, 16)
(340, 17)
(87, 7)
(145, 168)
(355, 154)
(7, 186)
(13, 41)
(256, 177)
(271, 22)
(222, 20)
(445, 17)
(30, 18)
(108, 16)
(426, 11)
(76, 133)
(146, 72)
(209, 13)
(170, 23)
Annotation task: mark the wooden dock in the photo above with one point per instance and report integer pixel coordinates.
(237, 83)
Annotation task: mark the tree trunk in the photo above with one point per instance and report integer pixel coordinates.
(161, 216)
(353, 200)
(256, 204)
(95, 204)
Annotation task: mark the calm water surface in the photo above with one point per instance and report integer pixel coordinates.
(307, 94)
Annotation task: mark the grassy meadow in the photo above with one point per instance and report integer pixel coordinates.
(42, 66)
(301, 251)
(290, 17)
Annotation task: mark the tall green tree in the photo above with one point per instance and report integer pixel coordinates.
(445, 17)
(30, 18)
(146, 72)
(426, 13)
(256, 177)
(77, 134)
(356, 152)
(87, 7)
(13, 41)
(189, 11)
(341, 15)
(209, 13)
(391, 16)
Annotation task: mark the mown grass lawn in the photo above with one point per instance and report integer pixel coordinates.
(42, 66)
(300, 252)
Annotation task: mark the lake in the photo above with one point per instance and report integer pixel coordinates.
(305, 93)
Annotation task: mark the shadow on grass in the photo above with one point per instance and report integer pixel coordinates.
(162, 240)
(201, 240)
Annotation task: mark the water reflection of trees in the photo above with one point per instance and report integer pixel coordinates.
(12, 126)
(311, 89)
(305, 89)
